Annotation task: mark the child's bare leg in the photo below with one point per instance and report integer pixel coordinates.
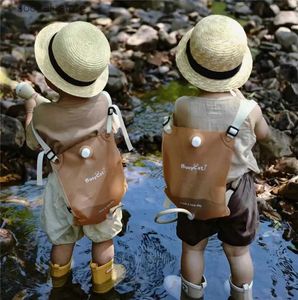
(102, 252)
(61, 254)
(192, 261)
(240, 263)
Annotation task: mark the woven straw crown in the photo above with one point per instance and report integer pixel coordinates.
(74, 57)
(216, 44)
(75, 48)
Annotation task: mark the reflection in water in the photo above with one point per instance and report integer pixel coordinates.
(149, 251)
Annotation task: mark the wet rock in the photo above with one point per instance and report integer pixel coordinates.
(270, 97)
(241, 9)
(135, 102)
(117, 80)
(289, 191)
(12, 133)
(290, 94)
(5, 104)
(289, 4)
(45, 5)
(179, 21)
(287, 165)
(287, 38)
(17, 111)
(167, 41)
(286, 18)
(193, 5)
(122, 37)
(17, 20)
(146, 131)
(269, 46)
(151, 4)
(163, 69)
(287, 120)
(289, 71)
(295, 145)
(277, 146)
(271, 84)
(116, 12)
(9, 61)
(264, 9)
(286, 208)
(127, 65)
(150, 17)
(145, 39)
(7, 242)
(128, 116)
(103, 21)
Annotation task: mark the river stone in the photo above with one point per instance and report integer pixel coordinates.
(7, 242)
(241, 9)
(295, 145)
(290, 94)
(286, 17)
(167, 41)
(291, 4)
(9, 61)
(265, 9)
(149, 17)
(117, 80)
(127, 116)
(287, 165)
(287, 120)
(103, 21)
(277, 146)
(12, 133)
(287, 38)
(289, 71)
(116, 12)
(290, 190)
(145, 39)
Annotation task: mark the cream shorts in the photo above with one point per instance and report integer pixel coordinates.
(57, 221)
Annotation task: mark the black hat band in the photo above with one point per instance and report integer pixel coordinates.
(206, 72)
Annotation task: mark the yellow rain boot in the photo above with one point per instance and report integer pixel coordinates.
(59, 274)
(105, 277)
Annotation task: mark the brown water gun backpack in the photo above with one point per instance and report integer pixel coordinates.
(196, 165)
(90, 172)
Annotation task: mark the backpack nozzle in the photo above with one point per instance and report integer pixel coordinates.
(196, 141)
(86, 152)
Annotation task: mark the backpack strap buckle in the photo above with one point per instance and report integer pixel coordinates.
(111, 111)
(232, 131)
(51, 155)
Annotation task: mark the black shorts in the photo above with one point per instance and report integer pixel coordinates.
(237, 229)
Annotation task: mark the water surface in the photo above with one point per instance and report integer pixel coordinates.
(149, 251)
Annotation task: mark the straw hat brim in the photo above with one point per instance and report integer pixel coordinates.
(43, 61)
(208, 84)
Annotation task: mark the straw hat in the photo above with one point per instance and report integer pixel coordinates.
(214, 55)
(74, 57)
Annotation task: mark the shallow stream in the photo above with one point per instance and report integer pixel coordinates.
(149, 251)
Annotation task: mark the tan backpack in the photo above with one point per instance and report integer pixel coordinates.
(196, 164)
(90, 172)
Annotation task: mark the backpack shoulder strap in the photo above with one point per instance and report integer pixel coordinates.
(114, 109)
(50, 154)
(246, 106)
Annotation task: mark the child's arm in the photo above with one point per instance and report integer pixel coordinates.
(261, 129)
